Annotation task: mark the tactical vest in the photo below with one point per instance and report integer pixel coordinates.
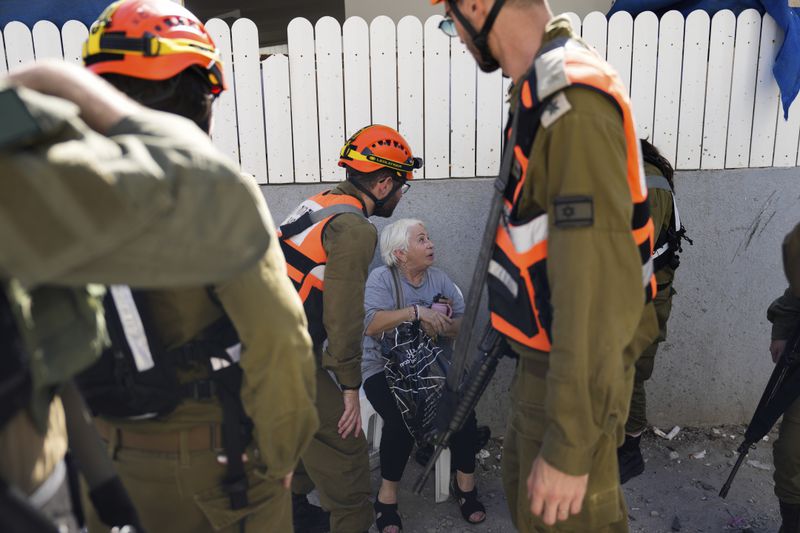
(137, 378)
(519, 291)
(668, 242)
(301, 241)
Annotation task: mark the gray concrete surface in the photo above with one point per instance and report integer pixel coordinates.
(715, 363)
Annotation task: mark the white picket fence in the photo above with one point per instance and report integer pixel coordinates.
(702, 88)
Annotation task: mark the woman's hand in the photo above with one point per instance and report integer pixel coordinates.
(433, 321)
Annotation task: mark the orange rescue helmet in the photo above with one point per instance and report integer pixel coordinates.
(374, 147)
(153, 40)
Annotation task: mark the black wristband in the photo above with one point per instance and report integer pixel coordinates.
(345, 387)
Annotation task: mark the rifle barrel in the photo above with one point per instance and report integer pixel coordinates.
(727, 486)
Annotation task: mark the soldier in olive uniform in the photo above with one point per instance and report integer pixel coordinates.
(329, 243)
(784, 313)
(93, 188)
(218, 453)
(571, 268)
(668, 235)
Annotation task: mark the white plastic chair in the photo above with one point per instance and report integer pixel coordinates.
(372, 424)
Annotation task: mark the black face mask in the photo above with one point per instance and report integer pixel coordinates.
(480, 39)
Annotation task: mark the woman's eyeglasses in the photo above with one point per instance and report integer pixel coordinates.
(448, 26)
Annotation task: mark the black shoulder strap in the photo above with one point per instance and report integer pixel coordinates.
(309, 219)
(399, 301)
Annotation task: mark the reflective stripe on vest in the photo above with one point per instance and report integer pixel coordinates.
(519, 291)
(301, 241)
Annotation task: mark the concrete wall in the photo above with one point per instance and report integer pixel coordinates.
(715, 362)
(369, 9)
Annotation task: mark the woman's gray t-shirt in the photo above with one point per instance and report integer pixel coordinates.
(379, 296)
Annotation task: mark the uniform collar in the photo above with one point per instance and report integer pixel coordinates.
(349, 189)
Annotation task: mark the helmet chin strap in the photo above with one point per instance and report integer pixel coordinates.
(378, 203)
(480, 39)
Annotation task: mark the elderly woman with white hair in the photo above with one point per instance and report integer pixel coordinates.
(409, 290)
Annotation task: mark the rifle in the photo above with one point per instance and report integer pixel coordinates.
(106, 492)
(492, 348)
(783, 388)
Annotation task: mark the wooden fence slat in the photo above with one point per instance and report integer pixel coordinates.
(643, 75)
(46, 40)
(383, 66)
(463, 81)
(437, 100)
(505, 100)
(489, 125)
(745, 70)
(278, 116)
(410, 88)
(765, 115)
(668, 85)
(357, 101)
(595, 31)
(786, 136)
(249, 99)
(19, 45)
(575, 21)
(302, 78)
(224, 127)
(620, 38)
(3, 66)
(330, 94)
(718, 90)
(73, 35)
(693, 90)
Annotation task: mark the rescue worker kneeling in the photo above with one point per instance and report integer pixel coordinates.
(205, 401)
(329, 243)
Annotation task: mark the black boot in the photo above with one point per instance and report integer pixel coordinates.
(629, 457)
(790, 516)
(309, 518)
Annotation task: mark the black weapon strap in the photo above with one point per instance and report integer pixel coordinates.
(399, 300)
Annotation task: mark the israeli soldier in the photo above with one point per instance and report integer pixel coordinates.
(206, 399)
(784, 313)
(668, 235)
(92, 186)
(329, 243)
(571, 269)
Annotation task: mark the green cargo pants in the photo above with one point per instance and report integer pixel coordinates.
(604, 506)
(339, 468)
(181, 493)
(637, 418)
(786, 454)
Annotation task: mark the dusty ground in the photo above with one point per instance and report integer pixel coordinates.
(677, 492)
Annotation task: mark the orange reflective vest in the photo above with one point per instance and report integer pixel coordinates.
(301, 241)
(519, 291)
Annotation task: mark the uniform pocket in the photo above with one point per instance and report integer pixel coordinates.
(215, 503)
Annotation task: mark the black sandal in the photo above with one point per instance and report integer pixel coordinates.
(468, 502)
(386, 515)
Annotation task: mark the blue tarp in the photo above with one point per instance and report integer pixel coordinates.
(29, 12)
(787, 62)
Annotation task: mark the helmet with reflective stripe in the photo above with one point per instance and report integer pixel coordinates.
(374, 147)
(154, 40)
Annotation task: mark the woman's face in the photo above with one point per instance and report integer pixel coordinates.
(420, 249)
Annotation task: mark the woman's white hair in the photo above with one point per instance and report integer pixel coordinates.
(395, 237)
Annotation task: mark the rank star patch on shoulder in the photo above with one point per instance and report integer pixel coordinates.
(555, 108)
(573, 211)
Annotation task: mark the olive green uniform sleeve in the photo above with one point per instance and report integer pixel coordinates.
(278, 386)
(151, 204)
(784, 313)
(349, 240)
(791, 260)
(594, 274)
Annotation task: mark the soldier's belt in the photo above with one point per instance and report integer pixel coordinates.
(199, 438)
